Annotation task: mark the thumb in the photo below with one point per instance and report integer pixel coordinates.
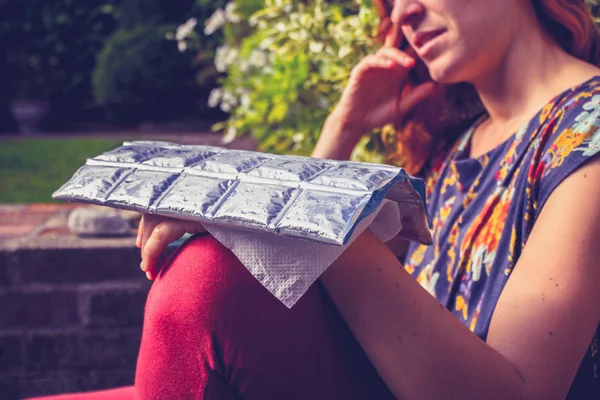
(415, 96)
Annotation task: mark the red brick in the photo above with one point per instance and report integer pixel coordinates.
(11, 354)
(108, 379)
(117, 307)
(9, 388)
(35, 310)
(90, 265)
(56, 382)
(4, 281)
(106, 350)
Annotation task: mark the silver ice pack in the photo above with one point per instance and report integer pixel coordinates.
(296, 197)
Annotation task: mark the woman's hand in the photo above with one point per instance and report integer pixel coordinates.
(378, 93)
(154, 235)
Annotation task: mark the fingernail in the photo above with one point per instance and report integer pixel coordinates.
(149, 276)
(143, 265)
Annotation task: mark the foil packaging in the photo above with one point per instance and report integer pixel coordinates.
(296, 197)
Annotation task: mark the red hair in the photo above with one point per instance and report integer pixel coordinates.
(437, 123)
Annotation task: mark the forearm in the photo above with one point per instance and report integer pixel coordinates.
(419, 348)
(337, 140)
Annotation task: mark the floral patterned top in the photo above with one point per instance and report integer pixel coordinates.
(484, 209)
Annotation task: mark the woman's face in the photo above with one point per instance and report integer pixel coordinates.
(460, 40)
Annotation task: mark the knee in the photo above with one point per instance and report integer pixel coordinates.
(200, 274)
(202, 263)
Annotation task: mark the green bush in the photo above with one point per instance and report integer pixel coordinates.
(286, 63)
(139, 74)
(48, 49)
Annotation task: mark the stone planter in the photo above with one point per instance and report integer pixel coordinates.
(29, 114)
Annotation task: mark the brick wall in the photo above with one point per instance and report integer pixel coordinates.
(70, 318)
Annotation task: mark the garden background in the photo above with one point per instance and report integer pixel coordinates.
(80, 77)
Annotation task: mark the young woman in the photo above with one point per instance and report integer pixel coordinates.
(504, 305)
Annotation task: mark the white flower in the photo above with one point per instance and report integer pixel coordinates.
(253, 21)
(323, 103)
(230, 135)
(225, 56)
(266, 43)
(228, 97)
(281, 26)
(228, 101)
(182, 46)
(344, 51)
(298, 137)
(315, 47)
(245, 101)
(258, 58)
(215, 21)
(215, 97)
(299, 35)
(230, 14)
(244, 65)
(184, 30)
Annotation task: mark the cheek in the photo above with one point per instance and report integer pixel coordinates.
(467, 51)
(454, 55)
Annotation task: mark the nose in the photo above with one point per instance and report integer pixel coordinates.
(406, 12)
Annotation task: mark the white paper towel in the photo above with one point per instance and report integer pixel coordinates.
(287, 267)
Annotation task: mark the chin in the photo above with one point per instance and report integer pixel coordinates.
(445, 69)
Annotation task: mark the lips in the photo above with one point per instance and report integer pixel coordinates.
(420, 39)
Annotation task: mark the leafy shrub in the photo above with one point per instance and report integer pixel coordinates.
(140, 74)
(286, 64)
(48, 49)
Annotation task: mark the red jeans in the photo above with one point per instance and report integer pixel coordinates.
(211, 331)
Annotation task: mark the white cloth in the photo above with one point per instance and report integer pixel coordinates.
(287, 267)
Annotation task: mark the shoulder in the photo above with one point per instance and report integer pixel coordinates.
(569, 137)
(573, 123)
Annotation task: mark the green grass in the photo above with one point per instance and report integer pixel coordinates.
(32, 169)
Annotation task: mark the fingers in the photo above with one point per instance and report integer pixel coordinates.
(159, 238)
(150, 222)
(372, 61)
(398, 56)
(159, 232)
(394, 37)
(140, 234)
(387, 59)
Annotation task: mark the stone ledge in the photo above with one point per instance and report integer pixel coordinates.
(64, 241)
(72, 313)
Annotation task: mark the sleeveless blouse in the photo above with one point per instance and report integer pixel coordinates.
(483, 210)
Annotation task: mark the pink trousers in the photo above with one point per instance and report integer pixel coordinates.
(211, 331)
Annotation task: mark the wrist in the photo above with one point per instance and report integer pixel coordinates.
(338, 138)
(340, 123)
